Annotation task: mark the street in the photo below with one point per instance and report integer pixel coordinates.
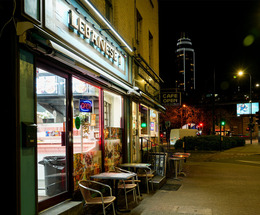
(220, 183)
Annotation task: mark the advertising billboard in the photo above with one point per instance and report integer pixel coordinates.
(245, 108)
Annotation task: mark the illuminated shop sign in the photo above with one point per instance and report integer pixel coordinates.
(69, 21)
(89, 34)
(85, 106)
(171, 98)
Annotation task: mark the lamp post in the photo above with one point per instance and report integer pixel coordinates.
(241, 73)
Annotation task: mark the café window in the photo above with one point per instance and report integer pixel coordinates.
(86, 130)
(153, 123)
(144, 119)
(112, 130)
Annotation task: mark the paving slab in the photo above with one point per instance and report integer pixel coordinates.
(229, 185)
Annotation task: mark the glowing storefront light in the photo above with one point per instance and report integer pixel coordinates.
(108, 25)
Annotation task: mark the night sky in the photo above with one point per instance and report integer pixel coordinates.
(217, 30)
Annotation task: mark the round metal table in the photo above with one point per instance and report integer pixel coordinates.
(176, 160)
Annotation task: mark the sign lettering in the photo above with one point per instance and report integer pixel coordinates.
(85, 105)
(171, 98)
(88, 32)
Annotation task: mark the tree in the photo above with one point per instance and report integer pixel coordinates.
(181, 115)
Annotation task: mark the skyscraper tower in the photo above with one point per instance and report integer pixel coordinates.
(185, 62)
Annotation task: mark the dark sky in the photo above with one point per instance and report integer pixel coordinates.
(217, 30)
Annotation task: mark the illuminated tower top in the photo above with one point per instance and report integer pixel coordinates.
(185, 61)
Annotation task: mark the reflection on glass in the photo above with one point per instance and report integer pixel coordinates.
(144, 119)
(153, 123)
(86, 135)
(135, 148)
(51, 138)
(112, 130)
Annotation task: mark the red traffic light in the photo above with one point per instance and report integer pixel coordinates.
(201, 124)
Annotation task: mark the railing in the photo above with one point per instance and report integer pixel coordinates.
(154, 154)
(148, 146)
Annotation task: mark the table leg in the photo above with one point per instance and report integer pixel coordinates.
(176, 170)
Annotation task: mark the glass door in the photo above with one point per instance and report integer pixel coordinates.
(51, 91)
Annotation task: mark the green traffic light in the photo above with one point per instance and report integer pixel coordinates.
(223, 123)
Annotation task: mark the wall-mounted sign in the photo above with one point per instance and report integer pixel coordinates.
(171, 98)
(85, 105)
(71, 22)
(85, 28)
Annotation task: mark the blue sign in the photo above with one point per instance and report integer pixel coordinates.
(247, 108)
(85, 106)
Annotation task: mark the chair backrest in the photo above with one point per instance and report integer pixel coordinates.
(83, 185)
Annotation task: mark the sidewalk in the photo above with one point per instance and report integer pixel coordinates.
(242, 151)
(211, 187)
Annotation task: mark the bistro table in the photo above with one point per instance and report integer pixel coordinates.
(181, 155)
(116, 176)
(135, 165)
(176, 160)
(140, 166)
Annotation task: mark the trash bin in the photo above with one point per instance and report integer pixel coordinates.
(55, 174)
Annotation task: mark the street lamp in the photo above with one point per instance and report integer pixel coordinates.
(241, 73)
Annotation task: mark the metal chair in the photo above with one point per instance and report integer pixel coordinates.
(85, 189)
(128, 187)
(148, 175)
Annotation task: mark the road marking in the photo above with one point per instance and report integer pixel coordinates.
(253, 162)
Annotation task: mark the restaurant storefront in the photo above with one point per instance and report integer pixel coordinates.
(145, 129)
(145, 110)
(75, 79)
(92, 109)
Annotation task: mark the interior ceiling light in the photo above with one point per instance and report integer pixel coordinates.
(108, 24)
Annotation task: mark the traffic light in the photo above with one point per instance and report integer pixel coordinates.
(201, 124)
(189, 125)
(222, 122)
(251, 127)
(257, 118)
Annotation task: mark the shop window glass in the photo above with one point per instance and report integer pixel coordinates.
(86, 131)
(154, 134)
(144, 119)
(153, 123)
(135, 147)
(112, 130)
(51, 134)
